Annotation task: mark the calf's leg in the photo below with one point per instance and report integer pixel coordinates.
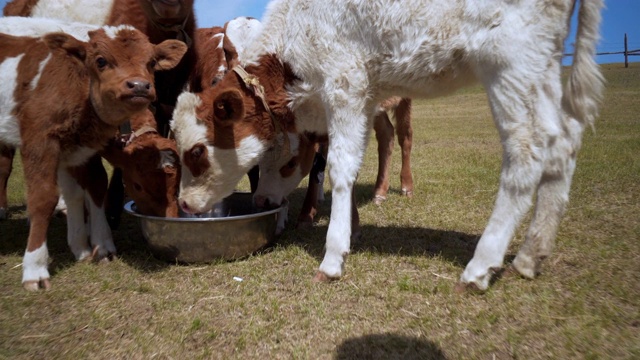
(93, 179)
(518, 119)
(42, 196)
(553, 190)
(348, 129)
(405, 138)
(384, 136)
(6, 166)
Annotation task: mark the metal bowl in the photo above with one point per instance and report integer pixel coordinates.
(233, 229)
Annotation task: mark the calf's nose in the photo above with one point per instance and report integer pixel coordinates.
(185, 207)
(260, 201)
(139, 86)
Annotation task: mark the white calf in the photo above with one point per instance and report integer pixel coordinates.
(325, 65)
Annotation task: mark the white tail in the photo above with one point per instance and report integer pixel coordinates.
(583, 91)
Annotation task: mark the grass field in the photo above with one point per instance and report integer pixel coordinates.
(397, 300)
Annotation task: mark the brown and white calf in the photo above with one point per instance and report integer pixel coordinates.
(64, 99)
(306, 155)
(218, 50)
(143, 153)
(413, 48)
(19, 26)
(160, 20)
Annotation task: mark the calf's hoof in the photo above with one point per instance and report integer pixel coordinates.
(379, 199)
(100, 256)
(526, 265)
(462, 288)
(35, 285)
(408, 193)
(321, 277)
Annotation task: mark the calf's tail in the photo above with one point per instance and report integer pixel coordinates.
(583, 91)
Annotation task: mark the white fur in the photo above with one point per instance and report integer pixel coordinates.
(36, 79)
(112, 31)
(167, 158)
(419, 48)
(34, 264)
(220, 38)
(242, 31)
(85, 11)
(36, 27)
(76, 158)
(272, 185)
(9, 127)
(77, 230)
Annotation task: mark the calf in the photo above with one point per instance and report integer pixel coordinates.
(146, 154)
(103, 82)
(159, 20)
(218, 50)
(412, 48)
(150, 169)
(19, 26)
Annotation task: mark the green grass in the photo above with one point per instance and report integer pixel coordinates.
(397, 298)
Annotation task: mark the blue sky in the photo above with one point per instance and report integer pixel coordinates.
(619, 17)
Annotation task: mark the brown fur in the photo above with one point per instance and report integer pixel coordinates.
(210, 56)
(228, 127)
(154, 189)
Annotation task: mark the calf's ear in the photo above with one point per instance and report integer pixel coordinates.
(228, 106)
(230, 53)
(169, 53)
(66, 42)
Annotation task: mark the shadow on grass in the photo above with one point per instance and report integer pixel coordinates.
(15, 231)
(388, 346)
(453, 246)
(128, 239)
(132, 248)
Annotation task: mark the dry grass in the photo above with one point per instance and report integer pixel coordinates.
(397, 299)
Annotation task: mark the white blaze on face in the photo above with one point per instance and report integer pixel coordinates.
(272, 185)
(226, 166)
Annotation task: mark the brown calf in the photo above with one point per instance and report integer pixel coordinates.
(159, 20)
(68, 99)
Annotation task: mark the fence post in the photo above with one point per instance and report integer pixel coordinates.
(626, 52)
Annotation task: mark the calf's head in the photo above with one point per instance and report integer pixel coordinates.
(281, 171)
(223, 131)
(121, 63)
(150, 172)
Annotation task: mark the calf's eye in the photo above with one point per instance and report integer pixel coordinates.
(101, 62)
